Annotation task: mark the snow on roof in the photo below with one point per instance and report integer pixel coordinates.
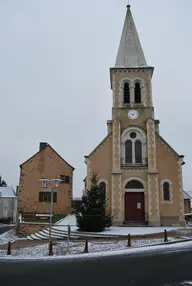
(186, 196)
(7, 192)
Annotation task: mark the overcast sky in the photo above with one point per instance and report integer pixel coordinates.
(55, 57)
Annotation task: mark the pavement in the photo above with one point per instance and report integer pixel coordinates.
(4, 228)
(158, 267)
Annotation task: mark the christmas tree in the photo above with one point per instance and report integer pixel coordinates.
(92, 215)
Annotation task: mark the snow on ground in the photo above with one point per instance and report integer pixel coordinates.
(9, 236)
(114, 230)
(40, 252)
(60, 248)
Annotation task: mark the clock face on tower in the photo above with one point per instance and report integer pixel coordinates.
(133, 114)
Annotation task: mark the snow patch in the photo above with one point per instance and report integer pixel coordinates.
(9, 236)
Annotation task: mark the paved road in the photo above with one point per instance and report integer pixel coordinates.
(158, 268)
(4, 228)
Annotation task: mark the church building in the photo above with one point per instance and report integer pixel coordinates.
(140, 172)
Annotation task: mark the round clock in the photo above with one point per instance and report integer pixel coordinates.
(133, 114)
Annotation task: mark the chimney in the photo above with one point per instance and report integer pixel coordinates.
(109, 126)
(42, 145)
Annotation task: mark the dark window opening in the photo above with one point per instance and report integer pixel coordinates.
(133, 135)
(137, 92)
(128, 152)
(126, 93)
(45, 197)
(138, 152)
(65, 179)
(134, 185)
(166, 191)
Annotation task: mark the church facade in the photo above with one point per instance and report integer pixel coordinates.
(139, 170)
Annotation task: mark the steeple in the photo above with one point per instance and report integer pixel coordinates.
(130, 53)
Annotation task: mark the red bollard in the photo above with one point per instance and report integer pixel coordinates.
(86, 250)
(129, 241)
(165, 236)
(50, 248)
(9, 248)
(187, 220)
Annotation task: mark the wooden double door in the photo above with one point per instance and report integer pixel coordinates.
(134, 206)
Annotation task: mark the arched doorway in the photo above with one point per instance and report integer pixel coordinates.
(134, 201)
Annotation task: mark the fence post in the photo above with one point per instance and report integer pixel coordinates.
(165, 236)
(129, 241)
(51, 248)
(86, 250)
(9, 248)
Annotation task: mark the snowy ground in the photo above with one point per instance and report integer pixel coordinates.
(114, 230)
(95, 250)
(9, 236)
(61, 248)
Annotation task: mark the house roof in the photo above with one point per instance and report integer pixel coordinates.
(186, 196)
(47, 146)
(130, 53)
(7, 192)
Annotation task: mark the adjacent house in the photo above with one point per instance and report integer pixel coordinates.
(33, 198)
(138, 169)
(8, 205)
(187, 202)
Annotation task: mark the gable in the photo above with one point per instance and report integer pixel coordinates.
(99, 145)
(41, 152)
(166, 144)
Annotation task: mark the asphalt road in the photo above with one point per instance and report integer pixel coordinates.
(4, 228)
(156, 269)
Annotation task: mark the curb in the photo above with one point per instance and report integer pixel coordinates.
(166, 243)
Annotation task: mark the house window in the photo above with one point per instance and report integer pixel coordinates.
(138, 151)
(102, 186)
(44, 184)
(126, 93)
(45, 197)
(65, 179)
(137, 92)
(166, 191)
(128, 152)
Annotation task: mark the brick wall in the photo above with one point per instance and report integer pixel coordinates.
(45, 164)
(24, 229)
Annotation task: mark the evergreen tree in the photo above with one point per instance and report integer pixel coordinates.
(2, 183)
(92, 215)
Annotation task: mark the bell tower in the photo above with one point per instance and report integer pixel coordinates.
(133, 107)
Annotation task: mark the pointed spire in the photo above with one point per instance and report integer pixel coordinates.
(130, 52)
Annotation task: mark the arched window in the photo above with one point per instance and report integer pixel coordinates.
(137, 92)
(102, 186)
(126, 93)
(128, 152)
(134, 184)
(166, 191)
(138, 151)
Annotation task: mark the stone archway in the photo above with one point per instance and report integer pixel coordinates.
(134, 201)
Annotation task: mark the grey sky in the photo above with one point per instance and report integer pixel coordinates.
(54, 76)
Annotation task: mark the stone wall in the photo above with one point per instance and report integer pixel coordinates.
(24, 229)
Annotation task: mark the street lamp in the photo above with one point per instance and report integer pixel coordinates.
(54, 186)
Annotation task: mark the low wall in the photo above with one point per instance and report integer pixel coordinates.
(27, 228)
